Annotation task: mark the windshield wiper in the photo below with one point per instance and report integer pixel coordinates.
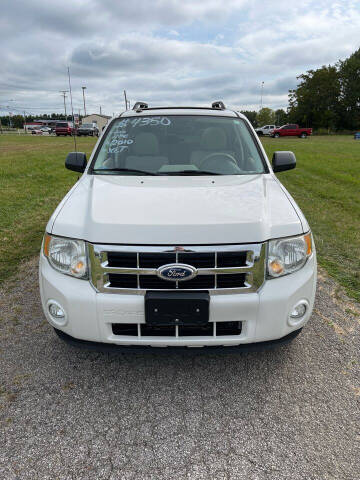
(133, 170)
(191, 172)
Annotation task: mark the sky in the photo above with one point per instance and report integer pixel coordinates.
(166, 52)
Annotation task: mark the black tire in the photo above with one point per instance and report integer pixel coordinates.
(276, 135)
(303, 135)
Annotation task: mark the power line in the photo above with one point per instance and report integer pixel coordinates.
(33, 108)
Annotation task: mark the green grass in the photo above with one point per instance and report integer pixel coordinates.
(32, 182)
(326, 185)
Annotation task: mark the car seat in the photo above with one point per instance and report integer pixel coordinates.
(145, 153)
(213, 140)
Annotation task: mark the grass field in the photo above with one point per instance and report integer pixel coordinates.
(32, 182)
(326, 184)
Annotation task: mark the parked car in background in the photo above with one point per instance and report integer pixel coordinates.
(64, 128)
(265, 130)
(88, 129)
(38, 130)
(293, 130)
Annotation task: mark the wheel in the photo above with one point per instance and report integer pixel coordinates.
(303, 135)
(276, 135)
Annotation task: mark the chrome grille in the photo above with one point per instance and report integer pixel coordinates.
(221, 269)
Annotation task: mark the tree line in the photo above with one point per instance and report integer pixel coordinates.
(328, 97)
(17, 121)
(325, 98)
(266, 116)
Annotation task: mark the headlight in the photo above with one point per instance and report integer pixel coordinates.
(287, 255)
(66, 255)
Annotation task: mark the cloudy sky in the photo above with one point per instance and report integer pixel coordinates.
(177, 52)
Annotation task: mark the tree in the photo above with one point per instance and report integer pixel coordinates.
(315, 101)
(251, 116)
(280, 117)
(349, 78)
(265, 116)
(17, 121)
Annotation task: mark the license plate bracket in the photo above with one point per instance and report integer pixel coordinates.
(177, 308)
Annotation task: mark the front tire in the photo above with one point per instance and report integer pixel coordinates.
(303, 135)
(276, 135)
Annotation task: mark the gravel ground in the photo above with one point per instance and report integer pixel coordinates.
(291, 413)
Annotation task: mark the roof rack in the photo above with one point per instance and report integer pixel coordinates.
(218, 105)
(140, 106)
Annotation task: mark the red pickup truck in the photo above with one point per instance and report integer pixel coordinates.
(291, 130)
(64, 128)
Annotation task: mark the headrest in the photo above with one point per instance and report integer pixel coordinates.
(213, 138)
(146, 144)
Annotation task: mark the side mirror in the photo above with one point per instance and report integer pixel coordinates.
(76, 161)
(282, 161)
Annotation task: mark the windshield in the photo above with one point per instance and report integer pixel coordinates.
(178, 145)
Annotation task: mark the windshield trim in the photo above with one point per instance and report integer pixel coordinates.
(90, 169)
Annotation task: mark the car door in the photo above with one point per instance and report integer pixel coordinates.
(292, 130)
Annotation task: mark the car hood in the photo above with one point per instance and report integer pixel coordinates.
(172, 210)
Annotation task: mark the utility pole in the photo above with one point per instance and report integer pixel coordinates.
(63, 94)
(261, 97)
(83, 90)
(11, 100)
(100, 109)
(126, 102)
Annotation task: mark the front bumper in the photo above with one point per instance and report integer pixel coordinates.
(264, 314)
(114, 348)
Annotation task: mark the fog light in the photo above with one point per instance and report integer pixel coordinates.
(297, 315)
(298, 311)
(57, 313)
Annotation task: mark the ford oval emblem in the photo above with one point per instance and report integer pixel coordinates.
(176, 272)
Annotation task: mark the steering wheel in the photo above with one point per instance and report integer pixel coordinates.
(211, 163)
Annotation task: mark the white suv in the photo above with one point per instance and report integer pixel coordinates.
(178, 234)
